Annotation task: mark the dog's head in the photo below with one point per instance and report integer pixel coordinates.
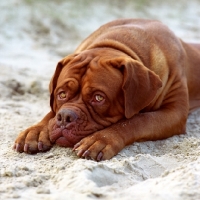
(94, 89)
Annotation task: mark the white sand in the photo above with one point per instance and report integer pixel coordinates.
(31, 43)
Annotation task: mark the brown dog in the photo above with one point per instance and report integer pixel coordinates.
(131, 80)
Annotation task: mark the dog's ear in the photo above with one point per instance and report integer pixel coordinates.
(54, 79)
(140, 85)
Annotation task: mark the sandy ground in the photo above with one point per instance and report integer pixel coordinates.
(34, 36)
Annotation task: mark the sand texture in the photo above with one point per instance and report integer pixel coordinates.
(34, 36)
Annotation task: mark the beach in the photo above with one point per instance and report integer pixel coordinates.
(35, 36)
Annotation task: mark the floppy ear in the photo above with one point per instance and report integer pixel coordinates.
(140, 84)
(53, 82)
(140, 87)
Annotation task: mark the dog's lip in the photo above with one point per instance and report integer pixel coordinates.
(67, 125)
(67, 133)
(55, 134)
(58, 130)
(63, 142)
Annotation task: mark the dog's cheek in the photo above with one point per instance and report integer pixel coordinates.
(51, 124)
(54, 131)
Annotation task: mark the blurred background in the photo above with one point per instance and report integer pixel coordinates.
(59, 26)
(36, 34)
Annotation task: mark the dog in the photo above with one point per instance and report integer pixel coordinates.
(131, 80)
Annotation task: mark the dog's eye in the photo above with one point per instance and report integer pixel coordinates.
(62, 95)
(98, 98)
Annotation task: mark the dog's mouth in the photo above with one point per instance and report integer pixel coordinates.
(68, 135)
(70, 126)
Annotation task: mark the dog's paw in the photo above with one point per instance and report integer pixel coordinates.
(32, 140)
(99, 146)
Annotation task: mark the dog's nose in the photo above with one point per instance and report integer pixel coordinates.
(65, 117)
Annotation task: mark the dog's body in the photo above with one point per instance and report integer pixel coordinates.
(131, 80)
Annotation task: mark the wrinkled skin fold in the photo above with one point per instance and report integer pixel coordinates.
(131, 80)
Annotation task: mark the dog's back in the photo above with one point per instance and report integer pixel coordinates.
(152, 43)
(193, 73)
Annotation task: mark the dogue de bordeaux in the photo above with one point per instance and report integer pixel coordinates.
(131, 80)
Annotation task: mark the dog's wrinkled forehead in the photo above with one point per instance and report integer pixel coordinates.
(75, 68)
(78, 65)
(71, 66)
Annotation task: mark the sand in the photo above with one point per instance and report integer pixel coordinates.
(34, 37)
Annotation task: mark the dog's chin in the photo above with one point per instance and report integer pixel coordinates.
(65, 137)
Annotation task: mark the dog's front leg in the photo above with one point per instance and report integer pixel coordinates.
(165, 122)
(35, 138)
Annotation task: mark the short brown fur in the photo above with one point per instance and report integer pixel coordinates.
(131, 80)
